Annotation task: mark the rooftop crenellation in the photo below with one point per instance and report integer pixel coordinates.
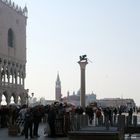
(15, 7)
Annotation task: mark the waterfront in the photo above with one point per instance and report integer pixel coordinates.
(4, 135)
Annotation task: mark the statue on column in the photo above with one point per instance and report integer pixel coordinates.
(83, 58)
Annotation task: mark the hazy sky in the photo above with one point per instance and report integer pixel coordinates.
(108, 31)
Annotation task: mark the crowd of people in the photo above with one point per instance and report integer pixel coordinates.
(23, 117)
(27, 119)
(59, 117)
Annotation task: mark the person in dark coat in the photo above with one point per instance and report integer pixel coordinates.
(90, 113)
(36, 120)
(28, 123)
(130, 113)
(51, 120)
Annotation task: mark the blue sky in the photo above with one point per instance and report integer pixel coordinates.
(108, 31)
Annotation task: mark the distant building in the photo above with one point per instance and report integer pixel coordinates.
(58, 95)
(90, 98)
(75, 98)
(58, 88)
(116, 102)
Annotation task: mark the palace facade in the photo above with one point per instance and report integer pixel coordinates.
(13, 20)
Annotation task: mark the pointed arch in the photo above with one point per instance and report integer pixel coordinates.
(15, 97)
(4, 98)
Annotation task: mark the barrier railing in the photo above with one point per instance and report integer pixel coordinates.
(120, 121)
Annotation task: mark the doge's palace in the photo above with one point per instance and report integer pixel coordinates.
(12, 52)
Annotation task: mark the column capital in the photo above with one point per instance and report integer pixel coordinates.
(82, 64)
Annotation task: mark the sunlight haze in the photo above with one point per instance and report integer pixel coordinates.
(107, 31)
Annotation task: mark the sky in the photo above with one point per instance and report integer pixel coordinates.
(107, 31)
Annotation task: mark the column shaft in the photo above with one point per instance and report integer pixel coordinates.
(82, 86)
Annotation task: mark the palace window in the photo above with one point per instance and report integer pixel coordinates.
(10, 38)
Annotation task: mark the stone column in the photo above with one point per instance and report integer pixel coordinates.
(16, 78)
(23, 78)
(0, 97)
(8, 77)
(12, 79)
(16, 99)
(23, 83)
(7, 99)
(8, 73)
(82, 64)
(4, 75)
(12, 73)
(0, 74)
(20, 78)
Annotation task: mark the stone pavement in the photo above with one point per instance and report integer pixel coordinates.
(4, 135)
